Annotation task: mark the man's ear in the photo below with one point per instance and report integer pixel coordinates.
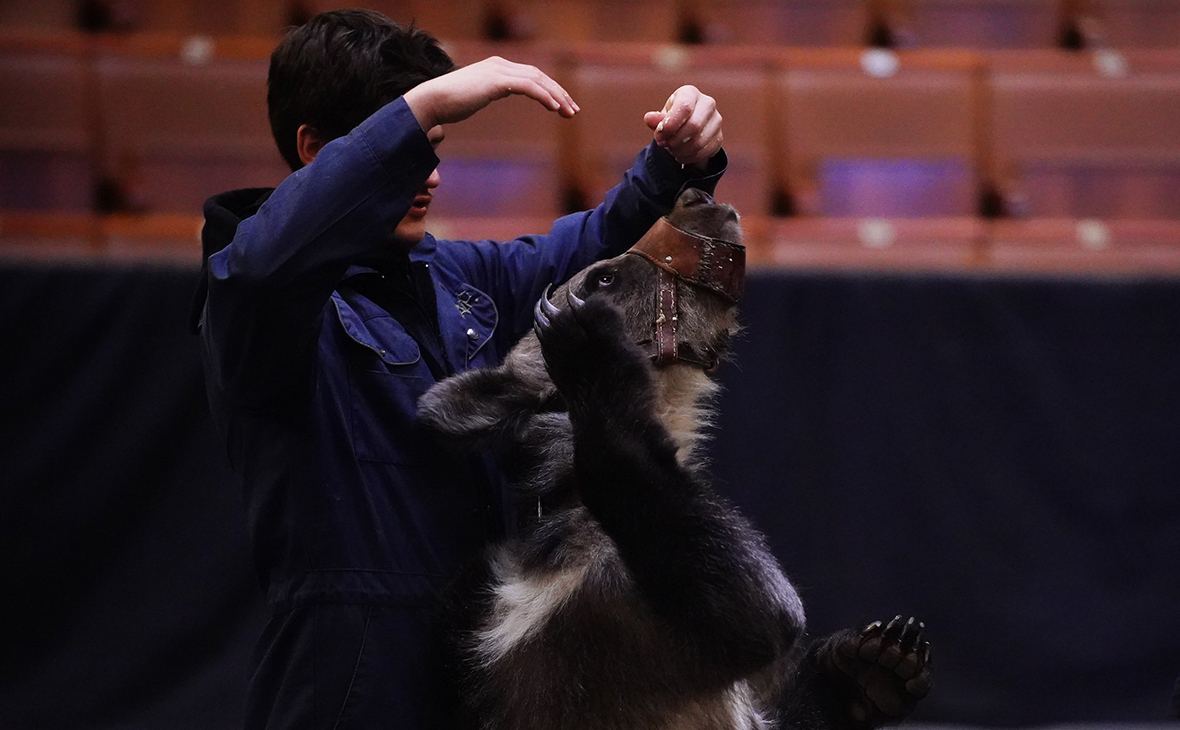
(308, 143)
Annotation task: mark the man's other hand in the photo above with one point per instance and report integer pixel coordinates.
(457, 95)
(688, 126)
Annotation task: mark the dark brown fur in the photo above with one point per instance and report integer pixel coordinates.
(641, 598)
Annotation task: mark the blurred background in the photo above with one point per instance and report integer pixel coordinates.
(958, 395)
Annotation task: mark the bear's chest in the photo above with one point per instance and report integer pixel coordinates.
(574, 645)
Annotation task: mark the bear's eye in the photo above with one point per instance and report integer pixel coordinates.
(606, 279)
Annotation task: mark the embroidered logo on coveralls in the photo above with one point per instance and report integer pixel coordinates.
(464, 302)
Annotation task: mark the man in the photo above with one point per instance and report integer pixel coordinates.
(330, 310)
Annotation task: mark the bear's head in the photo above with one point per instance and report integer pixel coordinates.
(677, 290)
(678, 286)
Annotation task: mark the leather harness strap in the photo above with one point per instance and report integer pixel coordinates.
(716, 265)
(709, 263)
(665, 342)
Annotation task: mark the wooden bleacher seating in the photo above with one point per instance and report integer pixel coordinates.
(935, 244)
(1073, 140)
(185, 118)
(1141, 23)
(160, 238)
(1040, 246)
(654, 21)
(447, 21)
(47, 122)
(49, 236)
(264, 18)
(1066, 245)
(885, 170)
(173, 238)
(39, 14)
(984, 24)
(484, 228)
(616, 85)
(977, 23)
(805, 23)
(879, 133)
(506, 160)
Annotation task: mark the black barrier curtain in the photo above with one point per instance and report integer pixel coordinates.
(997, 456)
(1000, 457)
(129, 599)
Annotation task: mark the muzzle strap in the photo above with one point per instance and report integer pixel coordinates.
(716, 265)
(665, 341)
(709, 263)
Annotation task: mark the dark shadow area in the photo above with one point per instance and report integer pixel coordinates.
(994, 455)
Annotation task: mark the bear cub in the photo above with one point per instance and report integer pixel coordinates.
(637, 597)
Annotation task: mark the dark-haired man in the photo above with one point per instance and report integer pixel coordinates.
(329, 310)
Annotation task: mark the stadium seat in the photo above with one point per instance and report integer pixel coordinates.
(47, 122)
(615, 86)
(877, 133)
(162, 238)
(1091, 246)
(1141, 23)
(84, 236)
(484, 228)
(977, 23)
(782, 22)
(184, 119)
(26, 235)
(867, 243)
(593, 20)
(39, 14)
(447, 21)
(226, 17)
(1088, 135)
(506, 160)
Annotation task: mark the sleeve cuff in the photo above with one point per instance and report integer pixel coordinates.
(398, 142)
(673, 177)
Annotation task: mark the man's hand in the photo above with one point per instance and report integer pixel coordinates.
(457, 95)
(688, 126)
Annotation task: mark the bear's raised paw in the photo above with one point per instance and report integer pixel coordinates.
(587, 353)
(886, 669)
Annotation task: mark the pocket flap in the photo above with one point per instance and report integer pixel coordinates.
(383, 335)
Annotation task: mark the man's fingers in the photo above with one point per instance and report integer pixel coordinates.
(457, 95)
(702, 113)
(531, 82)
(566, 104)
(679, 108)
(696, 133)
(702, 146)
(653, 119)
(533, 90)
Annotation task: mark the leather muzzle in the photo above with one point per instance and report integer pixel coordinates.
(707, 263)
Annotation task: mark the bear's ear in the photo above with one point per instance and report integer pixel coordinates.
(480, 408)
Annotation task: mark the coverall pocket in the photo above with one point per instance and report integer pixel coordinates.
(384, 415)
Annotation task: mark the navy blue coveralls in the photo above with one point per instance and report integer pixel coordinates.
(317, 346)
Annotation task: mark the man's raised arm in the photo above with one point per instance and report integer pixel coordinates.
(685, 152)
(268, 287)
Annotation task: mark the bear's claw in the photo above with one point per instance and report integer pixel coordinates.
(589, 356)
(886, 668)
(543, 312)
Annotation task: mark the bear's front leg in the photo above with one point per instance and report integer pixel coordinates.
(596, 368)
(697, 563)
(860, 679)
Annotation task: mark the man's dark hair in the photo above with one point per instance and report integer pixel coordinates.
(338, 68)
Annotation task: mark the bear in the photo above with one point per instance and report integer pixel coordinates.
(635, 596)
